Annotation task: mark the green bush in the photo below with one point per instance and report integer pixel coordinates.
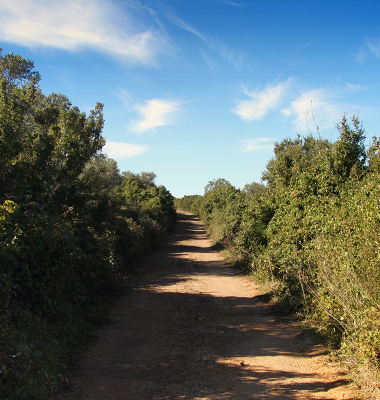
(313, 232)
(347, 298)
(221, 210)
(72, 228)
(188, 203)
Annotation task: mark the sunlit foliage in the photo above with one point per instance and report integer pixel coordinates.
(312, 231)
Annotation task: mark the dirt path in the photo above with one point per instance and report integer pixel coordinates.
(192, 328)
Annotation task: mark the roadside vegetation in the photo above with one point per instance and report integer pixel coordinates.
(312, 231)
(72, 229)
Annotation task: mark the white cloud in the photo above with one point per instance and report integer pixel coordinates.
(257, 144)
(77, 24)
(320, 105)
(123, 150)
(154, 113)
(261, 102)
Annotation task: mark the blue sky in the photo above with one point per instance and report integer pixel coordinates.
(195, 90)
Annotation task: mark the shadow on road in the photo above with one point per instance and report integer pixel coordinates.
(208, 339)
(171, 339)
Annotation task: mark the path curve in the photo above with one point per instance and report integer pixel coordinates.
(192, 328)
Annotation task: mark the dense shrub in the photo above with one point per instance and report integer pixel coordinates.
(313, 232)
(188, 203)
(347, 294)
(72, 228)
(221, 210)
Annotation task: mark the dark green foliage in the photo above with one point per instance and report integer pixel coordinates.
(251, 238)
(220, 209)
(302, 163)
(188, 203)
(72, 228)
(349, 153)
(373, 156)
(139, 190)
(16, 70)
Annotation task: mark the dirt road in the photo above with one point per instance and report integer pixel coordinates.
(192, 328)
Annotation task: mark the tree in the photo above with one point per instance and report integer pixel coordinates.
(253, 188)
(349, 155)
(211, 185)
(101, 174)
(69, 233)
(300, 162)
(16, 70)
(373, 155)
(45, 142)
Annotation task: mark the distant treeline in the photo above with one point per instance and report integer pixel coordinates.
(313, 232)
(72, 228)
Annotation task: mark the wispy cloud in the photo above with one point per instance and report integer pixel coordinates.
(350, 87)
(261, 101)
(77, 24)
(228, 2)
(124, 96)
(231, 3)
(182, 24)
(234, 58)
(155, 113)
(257, 144)
(371, 47)
(119, 150)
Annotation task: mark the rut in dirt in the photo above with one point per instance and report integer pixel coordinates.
(193, 328)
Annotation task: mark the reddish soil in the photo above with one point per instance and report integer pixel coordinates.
(193, 328)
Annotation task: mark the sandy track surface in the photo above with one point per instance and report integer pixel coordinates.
(193, 328)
